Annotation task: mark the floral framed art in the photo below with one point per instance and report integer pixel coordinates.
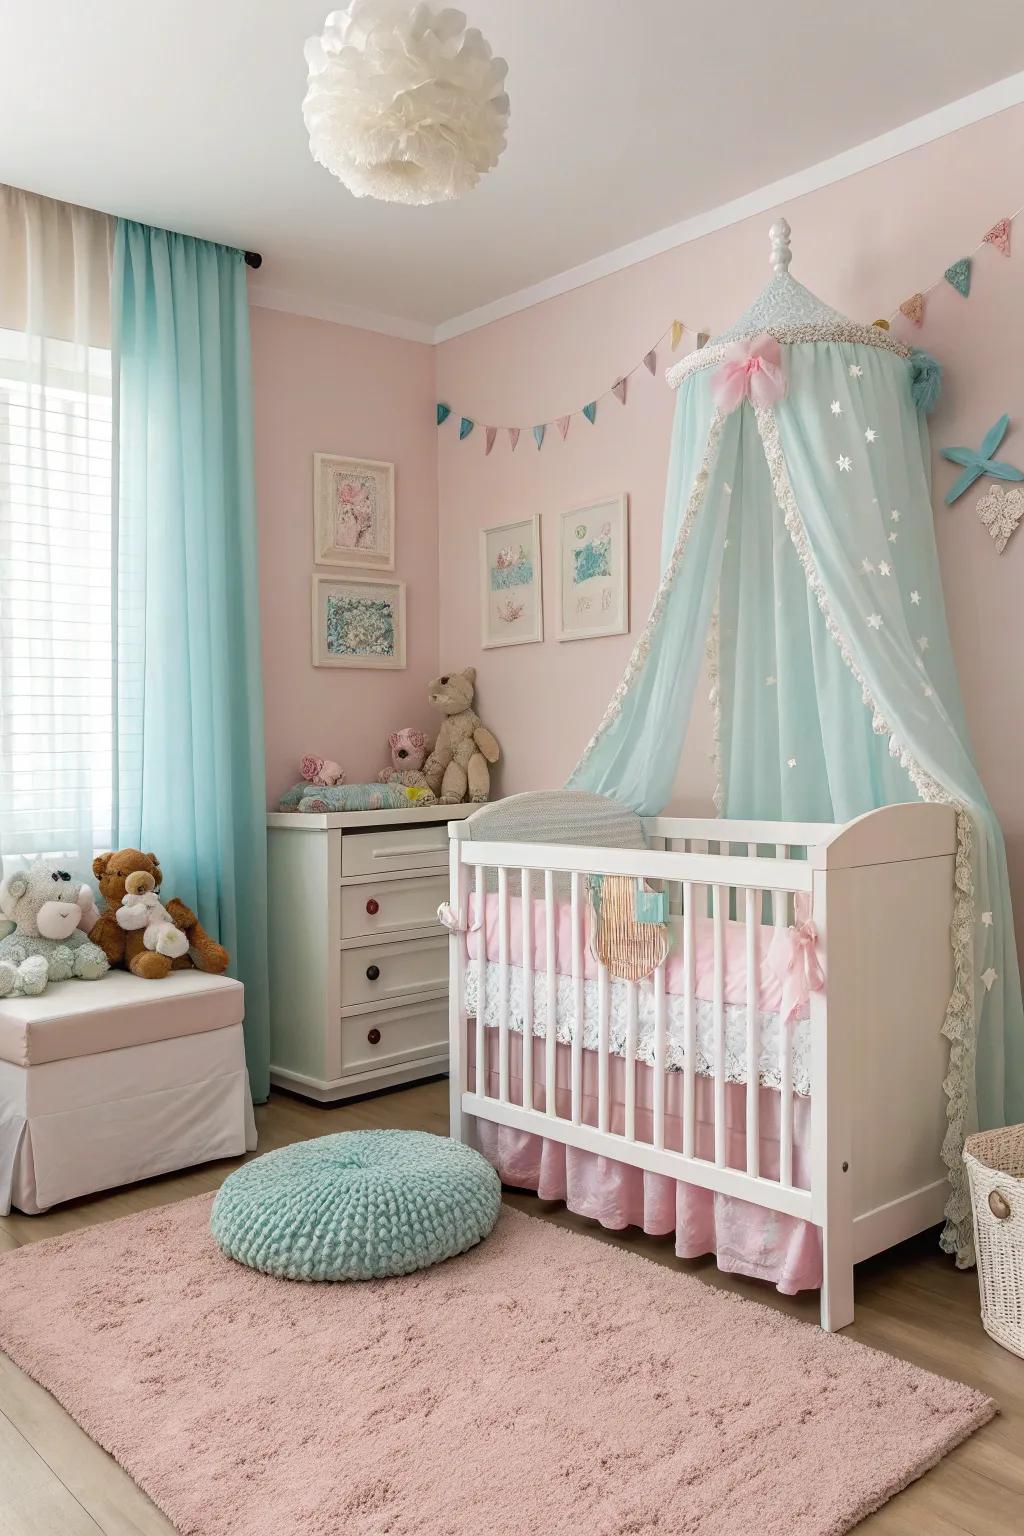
(511, 601)
(358, 622)
(353, 512)
(593, 570)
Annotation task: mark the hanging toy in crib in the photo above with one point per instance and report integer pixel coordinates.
(629, 925)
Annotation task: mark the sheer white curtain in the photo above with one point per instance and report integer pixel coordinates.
(58, 608)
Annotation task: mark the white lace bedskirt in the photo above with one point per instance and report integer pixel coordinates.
(769, 1025)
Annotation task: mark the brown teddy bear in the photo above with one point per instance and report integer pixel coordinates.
(143, 947)
(457, 769)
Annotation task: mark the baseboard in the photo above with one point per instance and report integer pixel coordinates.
(357, 1083)
(886, 1225)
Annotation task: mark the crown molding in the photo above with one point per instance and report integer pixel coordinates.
(341, 314)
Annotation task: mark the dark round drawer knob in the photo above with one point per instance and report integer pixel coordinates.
(373, 1035)
(372, 972)
(373, 907)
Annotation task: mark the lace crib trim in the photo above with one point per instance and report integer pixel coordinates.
(861, 335)
(642, 649)
(959, 1027)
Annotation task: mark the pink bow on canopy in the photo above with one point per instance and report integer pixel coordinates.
(750, 370)
(793, 956)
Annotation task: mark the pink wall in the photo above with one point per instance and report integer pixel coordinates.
(324, 388)
(863, 244)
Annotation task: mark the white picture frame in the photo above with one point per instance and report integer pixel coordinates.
(511, 589)
(358, 621)
(353, 512)
(593, 569)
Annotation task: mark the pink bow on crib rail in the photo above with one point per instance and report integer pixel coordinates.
(793, 956)
(751, 370)
(448, 918)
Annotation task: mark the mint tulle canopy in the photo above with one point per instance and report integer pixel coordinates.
(799, 555)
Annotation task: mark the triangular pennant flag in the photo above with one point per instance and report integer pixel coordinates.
(881, 325)
(465, 427)
(959, 275)
(443, 412)
(703, 337)
(999, 236)
(913, 308)
(651, 360)
(490, 433)
(538, 435)
(619, 390)
(563, 425)
(590, 411)
(677, 331)
(513, 437)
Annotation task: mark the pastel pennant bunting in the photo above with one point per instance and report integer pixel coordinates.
(590, 411)
(563, 425)
(881, 325)
(465, 428)
(651, 360)
(538, 435)
(677, 333)
(619, 390)
(703, 337)
(913, 308)
(959, 275)
(513, 437)
(999, 236)
(490, 433)
(443, 412)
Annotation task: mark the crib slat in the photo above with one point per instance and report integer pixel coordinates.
(526, 920)
(780, 900)
(602, 1046)
(551, 1026)
(659, 1055)
(753, 1064)
(632, 1013)
(480, 914)
(718, 1008)
(576, 915)
(786, 1118)
(503, 982)
(689, 1026)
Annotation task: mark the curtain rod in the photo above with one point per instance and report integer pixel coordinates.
(253, 259)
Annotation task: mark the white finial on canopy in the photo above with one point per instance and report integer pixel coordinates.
(781, 254)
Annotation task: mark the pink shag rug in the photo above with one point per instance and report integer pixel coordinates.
(543, 1383)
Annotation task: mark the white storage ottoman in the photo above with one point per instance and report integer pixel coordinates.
(106, 1082)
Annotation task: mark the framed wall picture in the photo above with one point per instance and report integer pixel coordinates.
(358, 621)
(353, 512)
(511, 602)
(593, 570)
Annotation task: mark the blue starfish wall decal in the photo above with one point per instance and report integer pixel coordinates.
(981, 462)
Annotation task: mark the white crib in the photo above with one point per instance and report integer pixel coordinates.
(881, 893)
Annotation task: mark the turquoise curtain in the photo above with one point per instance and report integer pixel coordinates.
(191, 787)
(800, 539)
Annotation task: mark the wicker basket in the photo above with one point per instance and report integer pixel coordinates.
(995, 1164)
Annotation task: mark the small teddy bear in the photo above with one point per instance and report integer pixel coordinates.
(47, 906)
(142, 909)
(409, 748)
(130, 872)
(457, 769)
(321, 770)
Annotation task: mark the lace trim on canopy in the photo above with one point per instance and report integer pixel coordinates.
(715, 700)
(642, 649)
(960, 1027)
(862, 335)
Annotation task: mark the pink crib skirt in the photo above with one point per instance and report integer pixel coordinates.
(746, 1239)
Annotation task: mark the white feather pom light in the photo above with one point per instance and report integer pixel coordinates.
(404, 103)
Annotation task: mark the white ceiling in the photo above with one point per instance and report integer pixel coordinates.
(627, 116)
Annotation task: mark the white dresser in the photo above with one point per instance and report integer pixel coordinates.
(358, 959)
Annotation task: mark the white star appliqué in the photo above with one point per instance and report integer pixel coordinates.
(988, 977)
(923, 642)
(915, 598)
(894, 515)
(986, 919)
(874, 621)
(867, 568)
(893, 537)
(884, 568)
(836, 408)
(844, 464)
(769, 682)
(855, 370)
(791, 762)
(926, 690)
(870, 434)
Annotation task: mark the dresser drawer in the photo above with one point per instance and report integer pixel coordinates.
(394, 1036)
(381, 973)
(380, 853)
(385, 906)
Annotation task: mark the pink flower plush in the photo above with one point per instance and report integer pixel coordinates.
(320, 770)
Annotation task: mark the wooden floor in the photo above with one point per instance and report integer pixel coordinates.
(54, 1481)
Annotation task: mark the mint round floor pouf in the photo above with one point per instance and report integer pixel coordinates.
(357, 1206)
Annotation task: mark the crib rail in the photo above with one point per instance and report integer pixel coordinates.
(686, 1123)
